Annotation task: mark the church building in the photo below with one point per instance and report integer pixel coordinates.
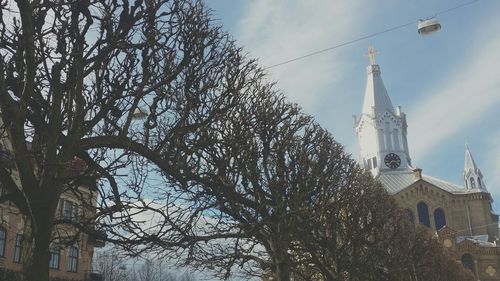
(461, 215)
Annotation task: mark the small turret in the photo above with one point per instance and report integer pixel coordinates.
(473, 178)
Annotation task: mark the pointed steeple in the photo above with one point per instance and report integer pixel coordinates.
(381, 129)
(376, 97)
(470, 164)
(473, 178)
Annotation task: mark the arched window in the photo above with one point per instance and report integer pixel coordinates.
(18, 248)
(439, 218)
(472, 183)
(409, 216)
(479, 182)
(3, 238)
(423, 214)
(55, 256)
(72, 259)
(468, 262)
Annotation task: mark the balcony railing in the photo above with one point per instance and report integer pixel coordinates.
(93, 276)
(97, 238)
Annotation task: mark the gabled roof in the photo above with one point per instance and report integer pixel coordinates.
(395, 182)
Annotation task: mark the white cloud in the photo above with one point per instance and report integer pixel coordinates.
(461, 102)
(491, 171)
(276, 31)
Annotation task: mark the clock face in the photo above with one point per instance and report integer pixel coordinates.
(392, 160)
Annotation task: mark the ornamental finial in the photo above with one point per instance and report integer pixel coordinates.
(371, 54)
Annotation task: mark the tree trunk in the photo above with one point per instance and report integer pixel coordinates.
(280, 259)
(282, 269)
(36, 244)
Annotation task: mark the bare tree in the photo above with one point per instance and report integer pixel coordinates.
(268, 164)
(359, 233)
(115, 265)
(74, 78)
(348, 230)
(152, 270)
(112, 265)
(220, 171)
(156, 270)
(417, 254)
(286, 201)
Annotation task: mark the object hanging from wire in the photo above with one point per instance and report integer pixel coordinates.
(140, 113)
(428, 26)
(425, 27)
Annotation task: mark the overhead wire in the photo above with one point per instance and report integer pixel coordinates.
(456, 7)
(367, 36)
(340, 45)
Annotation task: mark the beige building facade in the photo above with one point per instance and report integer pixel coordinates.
(461, 215)
(71, 250)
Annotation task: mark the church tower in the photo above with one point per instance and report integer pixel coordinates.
(473, 178)
(381, 129)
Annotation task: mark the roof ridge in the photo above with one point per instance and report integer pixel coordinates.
(396, 182)
(443, 181)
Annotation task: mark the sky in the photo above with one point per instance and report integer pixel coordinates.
(447, 83)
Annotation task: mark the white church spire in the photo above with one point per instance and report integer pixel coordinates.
(381, 129)
(376, 97)
(473, 178)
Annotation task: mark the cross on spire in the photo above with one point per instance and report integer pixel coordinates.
(371, 54)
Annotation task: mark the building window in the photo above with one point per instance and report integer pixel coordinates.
(409, 217)
(468, 262)
(3, 238)
(72, 259)
(472, 183)
(68, 210)
(423, 214)
(479, 182)
(55, 255)
(374, 159)
(18, 248)
(439, 218)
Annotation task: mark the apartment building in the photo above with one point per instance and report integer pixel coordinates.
(71, 249)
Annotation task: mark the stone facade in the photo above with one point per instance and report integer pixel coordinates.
(471, 228)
